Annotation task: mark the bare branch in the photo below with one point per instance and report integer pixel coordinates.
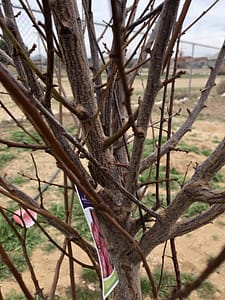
(153, 84)
(176, 137)
(5, 258)
(212, 266)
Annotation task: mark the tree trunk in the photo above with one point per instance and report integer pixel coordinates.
(129, 286)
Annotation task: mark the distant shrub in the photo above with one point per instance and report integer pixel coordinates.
(220, 88)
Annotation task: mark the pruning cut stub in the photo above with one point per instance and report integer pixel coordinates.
(25, 217)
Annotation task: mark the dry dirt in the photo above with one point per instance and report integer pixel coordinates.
(194, 249)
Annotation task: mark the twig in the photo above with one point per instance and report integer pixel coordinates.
(15, 272)
(153, 13)
(197, 19)
(175, 138)
(176, 32)
(24, 145)
(118, 57)
(57, 271)
(22, 240)
(18, 123)
(38, 180)
(212, 266)
(47, 184)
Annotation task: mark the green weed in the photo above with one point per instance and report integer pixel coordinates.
(206, 291)
(168, 283)
(222, 223)
(196, 209)
(217, 180)
(13, 247)
(194, 149)
(14, 295)
(18, 180)
(89, 275)
(78, 217)
(5, 158)
(19, 136)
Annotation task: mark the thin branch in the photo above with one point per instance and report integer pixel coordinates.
(109, 141)
(176, 31)
(5, 259)
(38, 180)
(24, 145)
(6, 58)
(194, 223)
(153, 85)
(152, 14)
(212, 266)
(18, 123)
(198, 18)
(39, 290)
(57, 271)
(117, 56)
(176, 137)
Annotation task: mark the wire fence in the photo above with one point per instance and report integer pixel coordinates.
(191, 58)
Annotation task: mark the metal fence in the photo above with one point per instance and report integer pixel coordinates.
(192, 55)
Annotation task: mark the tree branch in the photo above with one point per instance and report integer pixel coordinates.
(186, 127)
(210, 268)
(194, 223)
(166, 22)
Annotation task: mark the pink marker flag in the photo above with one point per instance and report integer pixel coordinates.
(25, 217)
(109, 275)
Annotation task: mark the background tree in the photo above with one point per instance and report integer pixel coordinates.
(112, 127)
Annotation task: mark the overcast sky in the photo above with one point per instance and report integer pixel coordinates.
(210, 30)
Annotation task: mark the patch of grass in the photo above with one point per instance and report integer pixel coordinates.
(48, 247)
(13, 246)
(89, 275)
(205, 291)
(78, 217)
(217, 179)
(216, 140)
(5, 158)
(192, 148)
(18, 180)
(58, 210)
(3, 148)
(222, 223)
(167, 283)
(206, 152)
(175, 176)
(19, 136)
(196, 209)
(148, 148)
(71, 128)
(14, 295)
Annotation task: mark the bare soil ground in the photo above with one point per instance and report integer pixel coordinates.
(194, 250)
